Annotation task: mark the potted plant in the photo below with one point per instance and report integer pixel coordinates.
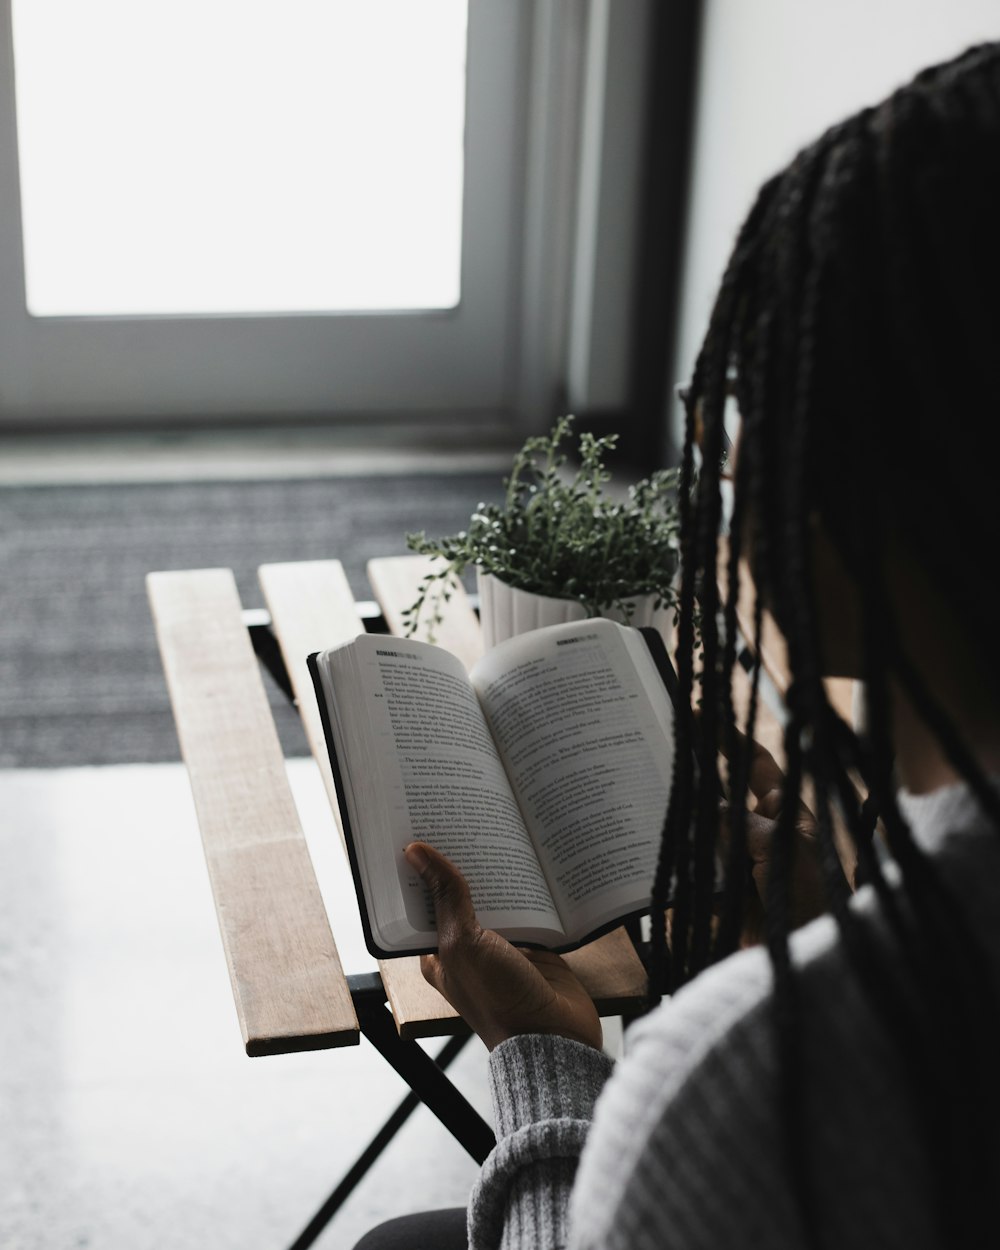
(560, 546)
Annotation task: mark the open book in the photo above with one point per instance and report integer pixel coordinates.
(543, 774)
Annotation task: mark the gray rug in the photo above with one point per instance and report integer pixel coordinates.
(80, 676)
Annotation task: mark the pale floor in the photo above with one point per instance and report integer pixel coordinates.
(130, 1117)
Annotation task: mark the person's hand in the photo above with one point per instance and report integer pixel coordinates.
(499, 990)
(807, 895)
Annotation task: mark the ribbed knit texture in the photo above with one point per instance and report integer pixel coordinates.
(544, 1089)
(686, 1149)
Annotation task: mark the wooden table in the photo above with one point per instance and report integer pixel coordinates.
(290, 988)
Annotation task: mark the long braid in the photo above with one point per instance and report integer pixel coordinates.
(965, 1031)
(693, 824)
(684, 900)
(957, 1034)
(685, 825)
(706, 815)
(737, 753)
(661, 973)
(829, 316)
(800, 292)
(786, 1002)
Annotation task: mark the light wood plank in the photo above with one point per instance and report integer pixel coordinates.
(312, 608)
(395, 581)
(418, 1009)
(609, 968)
(288, 984)
(611, 972)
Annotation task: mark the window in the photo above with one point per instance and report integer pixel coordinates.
(227, 156)
(201, 244)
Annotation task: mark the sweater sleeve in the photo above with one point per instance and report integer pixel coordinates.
(544, 1089)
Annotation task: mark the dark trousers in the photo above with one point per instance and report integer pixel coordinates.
(427, 1230)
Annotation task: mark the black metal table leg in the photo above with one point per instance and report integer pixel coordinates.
(371, 1153)
(428, 1084)
(266, 649)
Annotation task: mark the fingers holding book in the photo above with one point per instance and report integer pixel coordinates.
(500, 990)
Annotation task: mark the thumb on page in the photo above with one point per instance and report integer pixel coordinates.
(500, 991)
(449, 891)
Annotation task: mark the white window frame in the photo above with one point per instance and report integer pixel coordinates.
(537, 96)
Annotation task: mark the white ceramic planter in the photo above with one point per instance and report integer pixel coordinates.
(505, 610)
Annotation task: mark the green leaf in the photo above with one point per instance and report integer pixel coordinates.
(558, 533)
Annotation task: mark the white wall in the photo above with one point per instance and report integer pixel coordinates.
(774, 74)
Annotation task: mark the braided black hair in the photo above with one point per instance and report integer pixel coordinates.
(857, 324)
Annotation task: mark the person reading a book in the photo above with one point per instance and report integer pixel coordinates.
(838, 1084)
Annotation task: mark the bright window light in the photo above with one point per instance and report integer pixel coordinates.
(240, 156)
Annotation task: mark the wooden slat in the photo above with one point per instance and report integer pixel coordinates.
(611, 973)
(288, 984)
(312, 608)
(418, 1009)
(395, 581)
(609, 967)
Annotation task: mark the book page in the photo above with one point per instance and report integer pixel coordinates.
(584, 727)
(434, 774)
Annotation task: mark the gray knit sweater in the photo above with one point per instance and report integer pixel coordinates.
(682, 1146)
